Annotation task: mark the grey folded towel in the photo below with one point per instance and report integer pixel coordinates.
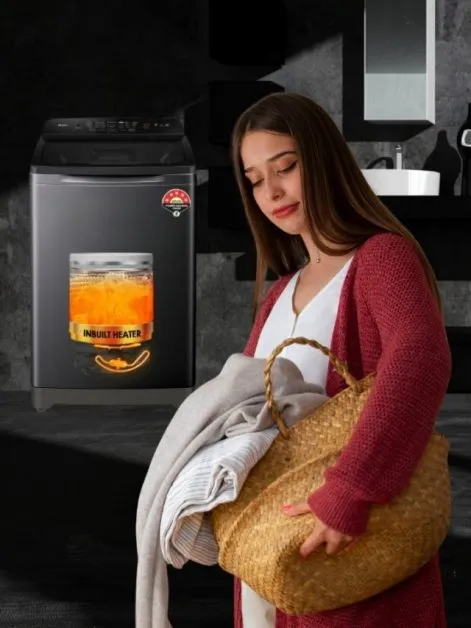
(232, 403)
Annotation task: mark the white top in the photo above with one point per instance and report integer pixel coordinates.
(316, 322)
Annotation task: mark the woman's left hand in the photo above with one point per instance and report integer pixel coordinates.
(334, 541)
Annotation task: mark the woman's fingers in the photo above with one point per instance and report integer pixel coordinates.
(337, 542)
(300, 508)
(313, 541)
(334, 541)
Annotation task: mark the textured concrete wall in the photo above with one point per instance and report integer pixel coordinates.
(317, 72)
(223, 314)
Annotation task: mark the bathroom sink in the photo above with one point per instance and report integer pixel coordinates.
(402, 182)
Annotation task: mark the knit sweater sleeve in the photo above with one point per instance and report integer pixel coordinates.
(412, 376)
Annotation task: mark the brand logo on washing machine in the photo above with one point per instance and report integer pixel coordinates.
(176, 201)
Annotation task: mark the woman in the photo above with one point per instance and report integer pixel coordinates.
(353, 278)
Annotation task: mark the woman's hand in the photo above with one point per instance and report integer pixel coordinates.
(335, 541)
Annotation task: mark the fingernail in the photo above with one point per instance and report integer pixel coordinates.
(286, 507)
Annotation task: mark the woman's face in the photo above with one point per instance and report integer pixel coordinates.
(273, 169)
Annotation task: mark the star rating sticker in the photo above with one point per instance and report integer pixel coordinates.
(180, 194)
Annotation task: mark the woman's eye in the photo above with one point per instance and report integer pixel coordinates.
(289, 168)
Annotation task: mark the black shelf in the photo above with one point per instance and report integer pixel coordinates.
(224, 211)
(460, 345)
(441, 224)
(429, 208)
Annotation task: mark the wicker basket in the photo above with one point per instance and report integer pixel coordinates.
(260, 545)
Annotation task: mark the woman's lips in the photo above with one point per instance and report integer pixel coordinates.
(285, 211)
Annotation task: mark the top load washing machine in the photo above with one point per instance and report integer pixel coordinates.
(113, 262)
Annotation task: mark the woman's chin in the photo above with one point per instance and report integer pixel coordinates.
(291, 227)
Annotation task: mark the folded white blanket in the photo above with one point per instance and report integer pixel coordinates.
(232, 403)
(214, 476)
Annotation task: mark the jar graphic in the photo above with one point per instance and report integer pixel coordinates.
(111, 310)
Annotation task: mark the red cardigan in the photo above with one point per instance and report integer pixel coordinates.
(388, 323)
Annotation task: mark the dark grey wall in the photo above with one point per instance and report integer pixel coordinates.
(224, 306)
(156, 61)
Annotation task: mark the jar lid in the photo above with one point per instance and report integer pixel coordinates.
(111, 261)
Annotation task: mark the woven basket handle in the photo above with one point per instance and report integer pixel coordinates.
(338, 365)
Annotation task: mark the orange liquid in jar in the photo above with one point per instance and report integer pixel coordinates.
(111, 299)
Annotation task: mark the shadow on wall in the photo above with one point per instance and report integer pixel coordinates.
(149, 61)
(75, 59)
(157, 60)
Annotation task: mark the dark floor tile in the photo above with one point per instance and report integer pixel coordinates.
(69, 482)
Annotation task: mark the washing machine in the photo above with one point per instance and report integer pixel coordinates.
(113, 262)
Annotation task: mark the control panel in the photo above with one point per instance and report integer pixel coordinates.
(114, 126)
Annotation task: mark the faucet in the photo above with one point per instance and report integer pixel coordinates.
(398, 149)
(387, 160)
(390, 163)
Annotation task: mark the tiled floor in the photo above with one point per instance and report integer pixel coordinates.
(69, 481)
(455, 423)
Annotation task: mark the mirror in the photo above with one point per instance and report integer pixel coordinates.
(399, 61)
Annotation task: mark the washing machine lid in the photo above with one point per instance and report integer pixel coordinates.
(112, 142)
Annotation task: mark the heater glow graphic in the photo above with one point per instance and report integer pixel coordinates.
(111, 308)
(122, 366)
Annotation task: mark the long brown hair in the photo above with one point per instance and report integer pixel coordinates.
(340, 205)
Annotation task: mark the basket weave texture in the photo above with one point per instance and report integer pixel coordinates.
(259, 544)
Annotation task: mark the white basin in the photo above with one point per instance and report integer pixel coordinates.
(403, 182)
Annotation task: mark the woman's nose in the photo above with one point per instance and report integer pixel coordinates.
(273, 190)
